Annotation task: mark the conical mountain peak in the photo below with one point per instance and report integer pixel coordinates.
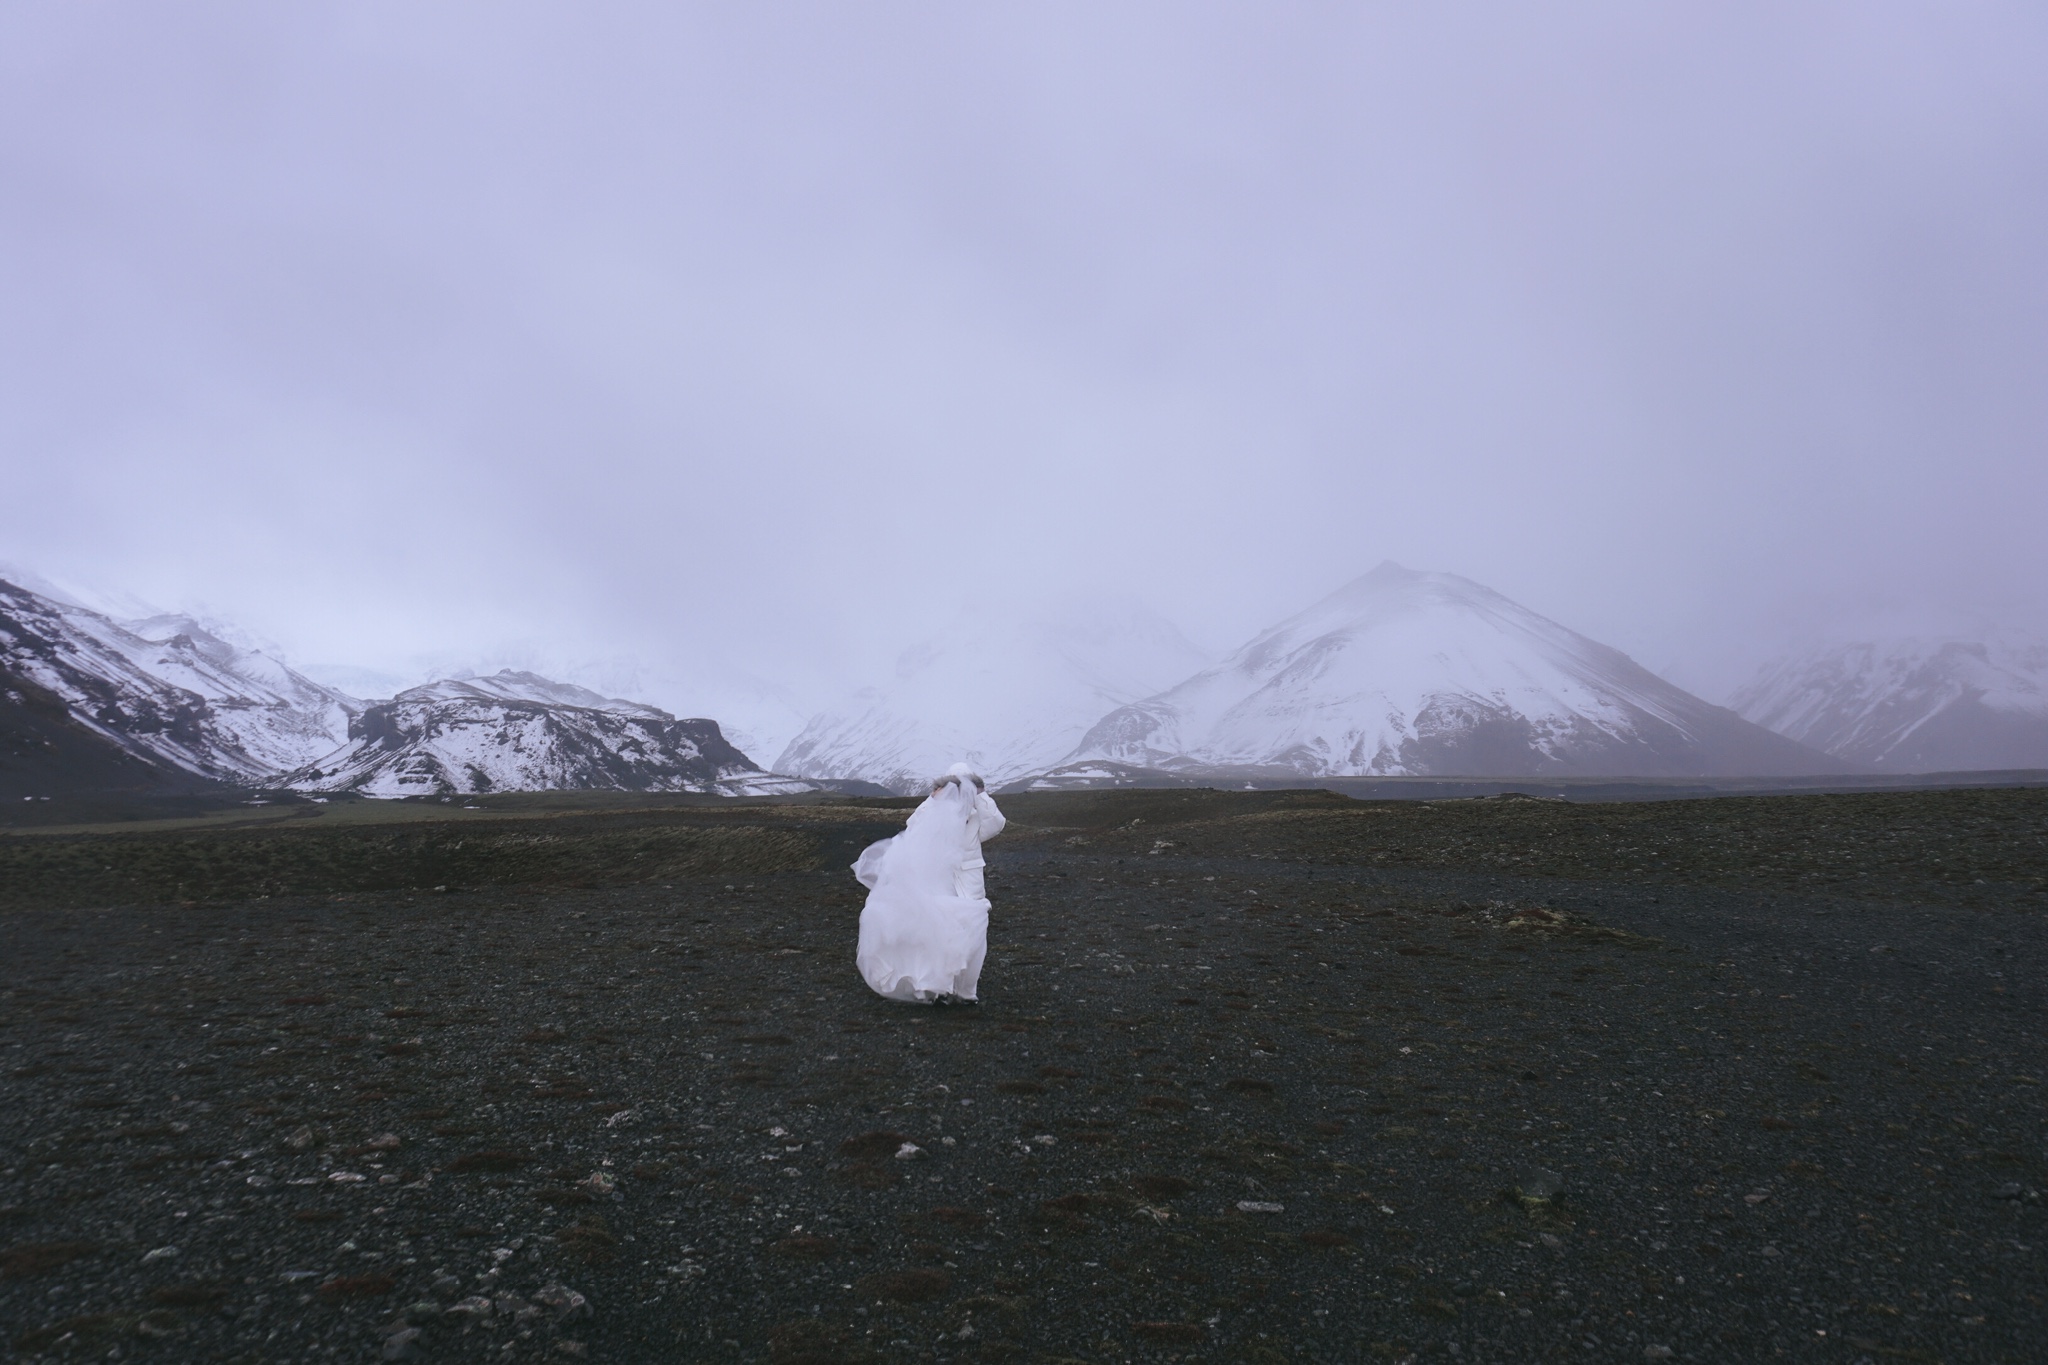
(1404, 671)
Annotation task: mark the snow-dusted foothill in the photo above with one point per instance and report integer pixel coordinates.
(1911, 704)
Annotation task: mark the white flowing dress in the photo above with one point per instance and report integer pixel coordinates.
(924, 930)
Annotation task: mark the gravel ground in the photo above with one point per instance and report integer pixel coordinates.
(1254, 1078)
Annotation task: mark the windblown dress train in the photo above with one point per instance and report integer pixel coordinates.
(924, 930)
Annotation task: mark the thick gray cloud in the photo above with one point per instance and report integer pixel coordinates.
(771, 335)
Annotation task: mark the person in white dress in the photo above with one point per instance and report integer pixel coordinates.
(924, 930)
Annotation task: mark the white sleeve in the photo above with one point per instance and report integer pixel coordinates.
(989, 819)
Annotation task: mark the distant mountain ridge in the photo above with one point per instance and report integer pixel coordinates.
(516, 731)
(167, 691)
(1911, 704)
(163, 703)
(1397, 674)
(1428, 674)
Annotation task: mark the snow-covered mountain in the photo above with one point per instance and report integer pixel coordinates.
(167, 690)
(1911, 704)
(88, 702)
(1007, 693)
(517, 731)
(280, 717)
(1401, 672)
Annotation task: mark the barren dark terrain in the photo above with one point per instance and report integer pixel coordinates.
(1255, 1077)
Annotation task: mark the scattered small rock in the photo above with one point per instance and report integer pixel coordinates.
(873, 1146)
(1537, 1189)
(561, 1300)
(158, 1324)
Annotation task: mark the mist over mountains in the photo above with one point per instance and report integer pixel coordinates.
(1398, 673)
(1011, 696)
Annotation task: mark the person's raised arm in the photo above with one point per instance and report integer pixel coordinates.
(989, 820)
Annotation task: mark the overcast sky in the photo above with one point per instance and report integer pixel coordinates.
(772, 334)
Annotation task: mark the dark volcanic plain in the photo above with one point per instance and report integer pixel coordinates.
(1255, 1077)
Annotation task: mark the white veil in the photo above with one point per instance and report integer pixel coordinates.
(922, 858)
